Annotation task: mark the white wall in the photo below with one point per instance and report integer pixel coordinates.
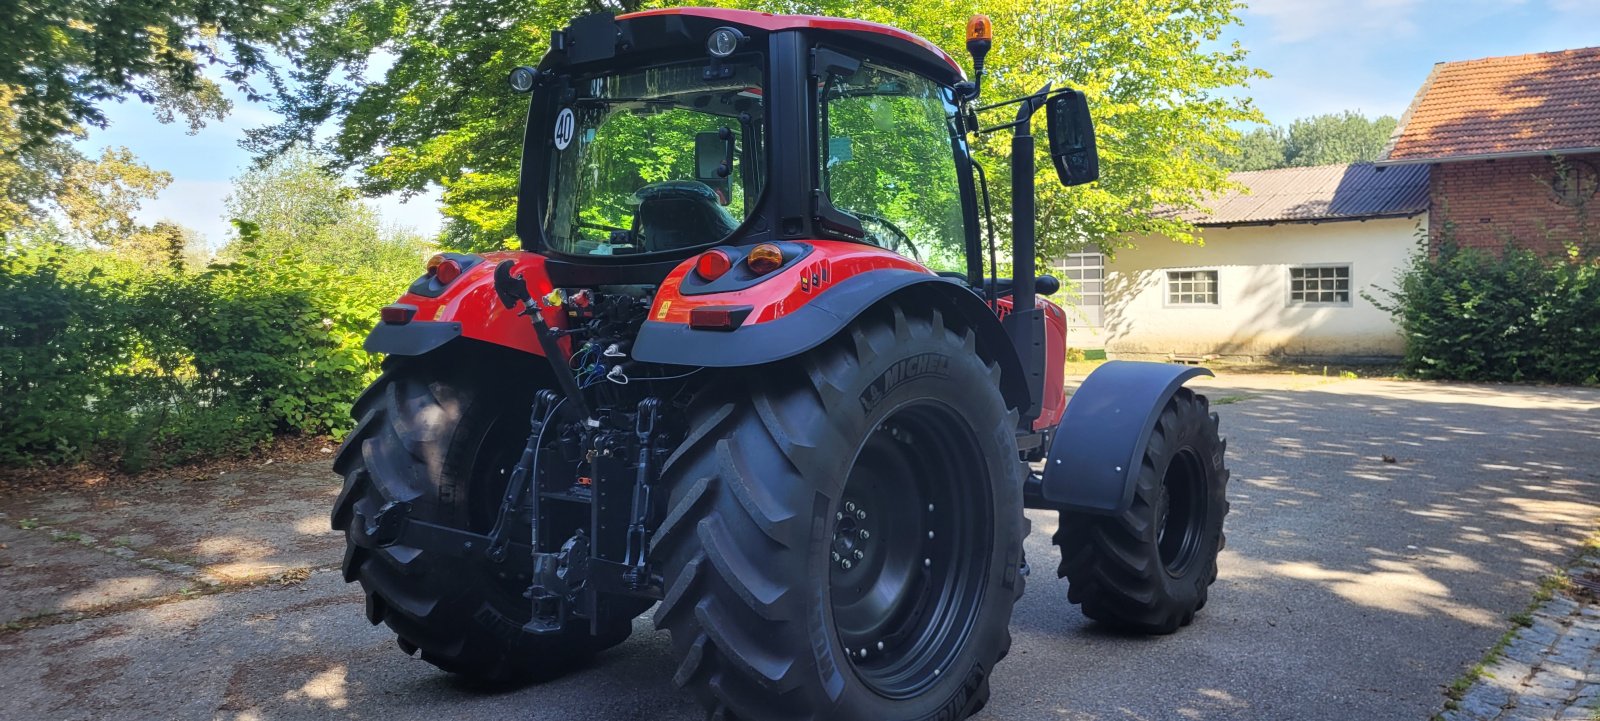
(1253, 316)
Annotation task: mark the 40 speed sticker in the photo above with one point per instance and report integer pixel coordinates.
(565, 124)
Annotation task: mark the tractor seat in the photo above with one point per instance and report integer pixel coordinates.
(679, 214)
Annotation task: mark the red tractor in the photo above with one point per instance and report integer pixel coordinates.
(752, 368)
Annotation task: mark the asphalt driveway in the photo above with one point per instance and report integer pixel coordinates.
(1353, 587)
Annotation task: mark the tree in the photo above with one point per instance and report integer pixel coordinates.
(293, 206)
(46, 183)
(1331, 139)
(1260, 149)
(441, 112)
(67, 57)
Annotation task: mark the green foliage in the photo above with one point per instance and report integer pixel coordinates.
(68, 57)
(1331, 139)
(1516, 316)
(101, 357)
(442, 114)
(294, 206)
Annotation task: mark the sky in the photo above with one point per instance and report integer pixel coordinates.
(1324, 56)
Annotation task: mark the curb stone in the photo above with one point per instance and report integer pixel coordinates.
(1550, 670)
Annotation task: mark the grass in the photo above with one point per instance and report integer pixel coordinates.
(28, 524)
(70, 537)
(1230, 400)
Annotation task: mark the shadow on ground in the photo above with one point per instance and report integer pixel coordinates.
(1351, 588)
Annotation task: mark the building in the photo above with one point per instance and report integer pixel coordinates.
(1514, 147)
(1280, 272)
(1490, 152)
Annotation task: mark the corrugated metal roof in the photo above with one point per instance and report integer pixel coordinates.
(1324, 192)
(1519, 105)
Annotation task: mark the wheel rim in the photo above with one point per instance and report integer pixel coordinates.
(1181, 511)
(907, 574)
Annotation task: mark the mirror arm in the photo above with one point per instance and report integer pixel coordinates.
(1031, 103)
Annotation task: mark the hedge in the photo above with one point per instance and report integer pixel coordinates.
(1515, 315)
(105, 359)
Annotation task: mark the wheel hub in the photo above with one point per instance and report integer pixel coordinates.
(852, 535)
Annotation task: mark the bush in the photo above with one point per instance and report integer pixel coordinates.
(100, 357)
(1516, 316)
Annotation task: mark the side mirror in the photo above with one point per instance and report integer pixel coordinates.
(713, 161)
(1072, 139)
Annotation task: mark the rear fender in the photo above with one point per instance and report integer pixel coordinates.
(1100, 443)
(469, 308)
(786, 330)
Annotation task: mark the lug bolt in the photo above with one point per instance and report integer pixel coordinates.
(930, 535)
(930, 508)
(863, 653)
(838, 516)
(861, 515)
(860, 555)
(880, 645)
(850, 506)
(836, 556)
(865, 535)
(927, 563)
(846, 564)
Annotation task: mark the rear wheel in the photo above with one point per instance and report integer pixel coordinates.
(844, 531)
(442, 434)
(1150, 569)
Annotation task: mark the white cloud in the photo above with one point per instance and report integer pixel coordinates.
(1359, 20)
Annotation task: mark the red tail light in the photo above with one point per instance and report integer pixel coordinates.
(712, 264)
(397, 314)
(728, 317)
(447, 271)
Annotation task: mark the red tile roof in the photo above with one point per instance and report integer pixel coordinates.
(1495, 107)
(1317, 194)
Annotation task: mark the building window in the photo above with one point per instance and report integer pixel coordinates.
(1085, 289)
(1319, 285)
(1191, 287)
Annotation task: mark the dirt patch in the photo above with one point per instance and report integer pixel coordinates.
(45, 575)
(105, 475)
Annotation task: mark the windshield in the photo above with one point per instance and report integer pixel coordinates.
(656, 160)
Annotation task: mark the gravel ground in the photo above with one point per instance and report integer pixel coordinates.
(1382, 533)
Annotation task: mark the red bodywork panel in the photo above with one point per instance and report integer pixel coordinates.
(1055, 361)
(471, 301)
(830, 262)
(771, 22)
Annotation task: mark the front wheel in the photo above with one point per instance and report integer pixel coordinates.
(1150, 568)
(844, 532)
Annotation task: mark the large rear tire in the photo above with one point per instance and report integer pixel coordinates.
(844, 530)
(1149, 569)
(442, 434)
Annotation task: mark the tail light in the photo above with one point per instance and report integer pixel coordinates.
(728, 317)
(712, 264)
(764, 258)
(397, 314)
(444, 268)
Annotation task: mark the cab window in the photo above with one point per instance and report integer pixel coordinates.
(888, 160)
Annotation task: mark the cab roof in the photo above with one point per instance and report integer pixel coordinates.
(772, 22)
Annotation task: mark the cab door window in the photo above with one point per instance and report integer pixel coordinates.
(889, 161)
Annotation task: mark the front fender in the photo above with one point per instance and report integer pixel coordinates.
(1100, 443)
(469, 308)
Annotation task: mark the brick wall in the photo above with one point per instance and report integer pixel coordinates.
(1487, 201)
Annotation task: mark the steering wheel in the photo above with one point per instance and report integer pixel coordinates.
(601, 226)
(900, 236)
